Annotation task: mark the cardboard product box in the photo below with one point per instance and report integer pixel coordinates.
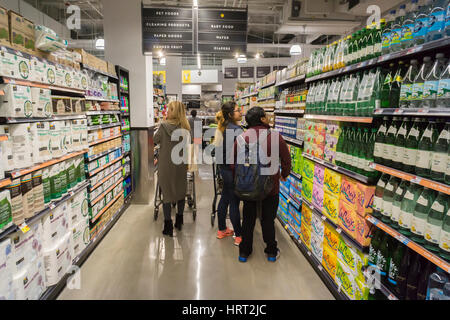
(318, 151)
(50, 73)
(349, 192)
(68, 77)
(282, 214)
(6, 61)
(363, 231)
(42, 103)
(55, 225)
(306, 215)
(61, 105)
(38, 69)
(330, 207)
(332, 128)
(317, 226)
(319, 173)
(111, 69)
(4, 27)
(305, 235)
(307, 190)
(29, 37)
(16, 102)
(364, 199)
(329, 261)
(21, 67)
(16, 27)
(344, 279)
(316, 246)
(330, 237)
(332, 182)
(347, 219)
(78, 105)
(330, 142)
(295, 214)
(29, 283)
(329, 155)
(361, 290)
(355, 260)
(317, 197)
(295, 192)
(308, 170)
(60, 73)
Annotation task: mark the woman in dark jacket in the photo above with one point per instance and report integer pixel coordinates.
(228, 129)
(172, 177)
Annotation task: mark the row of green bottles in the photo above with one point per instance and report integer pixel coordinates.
(352, 95)
(415, 211)
(415, 146)
(401, 269)
(354, 150)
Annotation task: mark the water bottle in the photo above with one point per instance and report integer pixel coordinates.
(446, 292)
(396, 34)
(436, 20)
(386, 36)
(443, 94)
(431, 85)
(436, 285)
(447, 21)
(408, 26)
(421, 24)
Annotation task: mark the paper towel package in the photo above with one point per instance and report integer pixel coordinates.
(6, 270)
(26, 187)
(50, 77)
(16, 102)
(57, 260)
(29, 283)
(79, 208)
(55, 139)
(40, 141)
(38, 69)
(21, 67)
(42, 102)
(21, 142)
(55, 225)
(16, 202)
(76, 135)
(79, 237)
(38, 192)
(27, 247)
(7, 158)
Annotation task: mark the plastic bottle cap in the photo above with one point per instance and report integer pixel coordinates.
(403, 6)
(447, 289)
(426, 59)
(440, 56)
(383, 20)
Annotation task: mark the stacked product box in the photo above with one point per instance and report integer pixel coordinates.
(321, 138)
(330, 247)
(283, 209)
(294, 221)
(296, 159)
(332, 132)
(290, 127)
(295, 190)
(79, 222)
(102, 161)
(332, 190)
(305, 226)
(95, 135)
(307, 179)
(317, 233)
(285, 187)
(106, 217)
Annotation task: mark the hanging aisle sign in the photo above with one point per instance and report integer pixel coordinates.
(167, 29)
(177, 30)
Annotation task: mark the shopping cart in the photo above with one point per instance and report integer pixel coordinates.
(218, 186)
(190, 192)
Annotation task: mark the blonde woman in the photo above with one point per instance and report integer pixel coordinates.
(172, 177)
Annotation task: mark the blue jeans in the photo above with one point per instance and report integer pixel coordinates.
(228, 198)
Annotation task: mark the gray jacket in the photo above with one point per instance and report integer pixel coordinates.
(171, 177)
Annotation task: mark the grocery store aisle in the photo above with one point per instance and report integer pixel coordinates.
(135, 261)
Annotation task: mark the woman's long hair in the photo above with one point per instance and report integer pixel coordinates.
(178, 112)
(225, 116)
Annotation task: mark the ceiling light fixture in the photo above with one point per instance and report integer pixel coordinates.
(162, 61)
(242, 58)
(100, 44)
(257, 56)
(295, 50)
(195, 3)
(160, 54)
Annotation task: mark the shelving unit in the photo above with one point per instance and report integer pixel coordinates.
(100, 112)
(444, 265)
(85, 66)
(30, 120)
(317, 265)
(412, 112)
(40, 85)
(441, 187)
(291, 81)
(91, 173)
(336, 168)
(339, 118)
(104, 139)
(288, 113)
(104, 126)
(96, 156)
(101, 99)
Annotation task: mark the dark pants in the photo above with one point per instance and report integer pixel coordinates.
(269, 209)
(167, 208)
(228, 198)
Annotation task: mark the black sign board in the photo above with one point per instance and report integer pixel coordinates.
(166, 26)
(221, 48)
(262, 71)
(224, 15)
(167, 13)
(231, 73)
(279, 67)
(247, 72)
(222, 38)
(222, 26)
(187, 97)
(169, 36)
(180, 47)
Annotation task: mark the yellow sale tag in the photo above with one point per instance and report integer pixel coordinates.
(24, 227)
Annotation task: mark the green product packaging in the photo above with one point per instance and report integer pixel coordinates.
(5, 209)
(26, 187)
(71, 171)
(38, 192)
(16, 202)
(46, 185)
(63, 177)
(55, 184)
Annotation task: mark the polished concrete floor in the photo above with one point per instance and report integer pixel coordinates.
(135, 261)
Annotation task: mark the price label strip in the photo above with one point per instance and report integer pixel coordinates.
(24, 228)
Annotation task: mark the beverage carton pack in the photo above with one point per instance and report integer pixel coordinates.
(352, 258)
(26, 247)
(306, 215)
(329, 155)
(316, 246)
(305, 235)
(364, 199)
(308, 170)
(332, 182)
(331, 206)
(361, 290)
(295, 190)
(333, 128)
(318, 151)
(307, 190)
(55, 225)
(284, 187)
(295, 214)
(331, 142)
(282, 214)
(349, 192)
(6, 270)
(345, 279)
(363, 230)
(317, 227)
(58, 260)
(347, 219)
(4, 27)
(16, 102)
(29, 283)
(319, 172)
(329, 261)
(317, 197)
(330, 237)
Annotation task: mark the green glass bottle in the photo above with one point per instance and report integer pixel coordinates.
(339, 148)
(384, 256)
(358, 153)
(378, 196)
(407, 208)
(388, 78)
(402, 276)
(399, 144)
(439, 155)
(372, 174)
(421, 210)
(411, 146)
(388, 198)
(434, 222)
(396, 85)
(380, 140)
(374, 247)
(444, 241)
(397, 202)
(425, 150)
(390, 141)
(395, 265)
